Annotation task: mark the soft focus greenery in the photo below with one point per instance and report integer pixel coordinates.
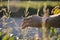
(0, 33)
(32, 4)
(11, 38)
(5, 37)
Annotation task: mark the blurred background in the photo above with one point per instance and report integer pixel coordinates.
(13, 11)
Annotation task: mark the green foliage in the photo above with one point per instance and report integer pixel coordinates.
(5, 37)
(58, 35)
(11, 38)
(32, 4)
(53, 31)
(1, 33)
(40, 29)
